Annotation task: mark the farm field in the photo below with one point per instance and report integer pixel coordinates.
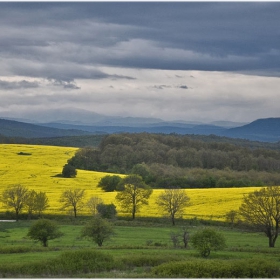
(37, 167)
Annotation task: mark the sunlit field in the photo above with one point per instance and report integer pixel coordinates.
(37, 168)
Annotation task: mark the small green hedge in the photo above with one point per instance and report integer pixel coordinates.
(254, 268)
(67, 264)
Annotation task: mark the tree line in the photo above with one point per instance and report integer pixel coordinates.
(176, 160)
(259, 209)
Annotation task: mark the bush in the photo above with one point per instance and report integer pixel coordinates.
(254, 268)
(67, 264)
(69, 171)
(44, 230)
(98, 230)
(109, 183)
(107, 211)
(207, 240)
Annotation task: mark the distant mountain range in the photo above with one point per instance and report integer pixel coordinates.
(73, 122)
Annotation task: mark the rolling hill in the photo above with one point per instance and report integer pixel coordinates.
(20, 129)
(265, 130)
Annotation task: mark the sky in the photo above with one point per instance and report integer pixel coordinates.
(192, 61)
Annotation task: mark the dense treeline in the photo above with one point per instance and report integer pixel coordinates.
(175, 160)
(95, 139)
(66, 141)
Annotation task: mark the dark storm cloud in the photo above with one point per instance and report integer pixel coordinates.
(218, 36)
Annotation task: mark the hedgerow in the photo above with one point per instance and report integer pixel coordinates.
(254, 268)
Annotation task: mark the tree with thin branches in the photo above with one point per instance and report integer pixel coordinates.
(72, 198)
(133, 194)
(173, 202)
(261, 210)
(15, 196)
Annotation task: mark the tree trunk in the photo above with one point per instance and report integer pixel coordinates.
(133, 212)
(75, 212)
(17, 214)
(271, 242)
(173, 220)
(45, 242)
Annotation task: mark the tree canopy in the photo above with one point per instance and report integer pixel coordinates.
(183, 161)
(44, 230)
(261, 210)
(133, 194)
(15, 196)
(98, 230)
(173, 202)
(73, 199)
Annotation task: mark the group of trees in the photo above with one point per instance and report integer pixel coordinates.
(259, 209)
(97, 229)
(181, 161)
(19, 197)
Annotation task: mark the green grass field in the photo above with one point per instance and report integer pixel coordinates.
(131, 244)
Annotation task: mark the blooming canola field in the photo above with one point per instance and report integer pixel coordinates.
(38, 167)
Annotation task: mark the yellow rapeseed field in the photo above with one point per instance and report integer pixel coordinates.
(39, 169)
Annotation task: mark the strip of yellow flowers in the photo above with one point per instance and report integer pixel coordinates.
(37, 167)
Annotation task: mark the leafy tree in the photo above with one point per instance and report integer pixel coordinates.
(72, 198)
(142, 170)
(15, 197)
(30, 202)
(261, 210)
(44, 230)
(109, 183)
(69, 171)
(133, 194)
(107, 211)
(208, 240)
(231, 217)
(173, 202)
(41, 203)
(98, 230)
(36, 202)
(92, 204)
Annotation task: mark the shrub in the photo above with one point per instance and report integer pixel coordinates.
(109, 183)
(207, 240)
(69, 171)
(254, 268)
(107, 211)
(44, 230)
(67, 264)
(98, 230)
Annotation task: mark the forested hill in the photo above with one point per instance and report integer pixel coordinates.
(181, 158)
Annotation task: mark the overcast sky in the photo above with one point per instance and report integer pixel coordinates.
(193, 61)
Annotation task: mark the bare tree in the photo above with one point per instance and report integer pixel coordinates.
(173, 202)
(15, 197)
(92, 204)
(261, 210)
(72, 198)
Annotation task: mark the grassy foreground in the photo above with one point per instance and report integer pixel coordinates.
(37, 167)
(136, 250)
